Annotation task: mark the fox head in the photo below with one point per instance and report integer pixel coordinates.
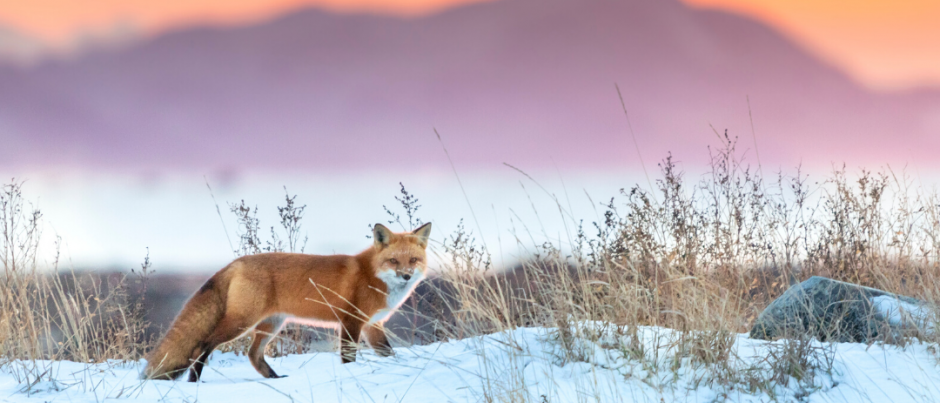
(400, 258)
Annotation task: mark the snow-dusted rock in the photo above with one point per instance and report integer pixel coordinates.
(834, 310)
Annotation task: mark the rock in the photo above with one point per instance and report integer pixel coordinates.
(837, 311)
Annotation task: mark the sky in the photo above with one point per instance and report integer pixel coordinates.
(884, 44)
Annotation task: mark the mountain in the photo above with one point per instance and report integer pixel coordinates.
(529, 82)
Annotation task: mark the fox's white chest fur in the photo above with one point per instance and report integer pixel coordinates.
(398, 292)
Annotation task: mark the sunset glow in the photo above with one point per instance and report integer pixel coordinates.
(883, 44)
(60, 20)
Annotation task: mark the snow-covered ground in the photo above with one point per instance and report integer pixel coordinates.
(522, 365)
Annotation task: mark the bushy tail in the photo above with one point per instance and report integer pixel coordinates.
(188, 335)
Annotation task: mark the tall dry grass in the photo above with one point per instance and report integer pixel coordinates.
(712, 253)
(700, 258)
(60, 315)
(668, 277)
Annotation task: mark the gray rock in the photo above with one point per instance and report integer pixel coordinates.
(837, 311)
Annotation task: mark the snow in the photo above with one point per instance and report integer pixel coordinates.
(525, 364)
(902, 314)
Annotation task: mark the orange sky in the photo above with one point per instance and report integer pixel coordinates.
(882, 43)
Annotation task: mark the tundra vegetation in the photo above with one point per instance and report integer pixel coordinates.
(666, 278)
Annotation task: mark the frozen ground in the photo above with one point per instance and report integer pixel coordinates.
(523, 365)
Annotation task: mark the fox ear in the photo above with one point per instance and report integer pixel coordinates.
(423, 233)
(381, 235)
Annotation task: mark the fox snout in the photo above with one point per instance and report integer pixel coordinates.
(405, 275)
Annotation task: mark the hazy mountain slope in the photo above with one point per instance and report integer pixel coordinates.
(526, 81)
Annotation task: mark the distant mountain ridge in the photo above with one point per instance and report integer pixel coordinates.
(525, 81)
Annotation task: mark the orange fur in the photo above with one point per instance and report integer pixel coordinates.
(260, 292)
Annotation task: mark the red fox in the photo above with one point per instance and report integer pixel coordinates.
(355, 294)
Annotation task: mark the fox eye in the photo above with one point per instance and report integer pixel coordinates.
(393, 261)
(413, 260)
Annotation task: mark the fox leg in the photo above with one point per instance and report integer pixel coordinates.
(378, 340)
(349, 338)
(264, 332)
(229, 329)
(200, 356)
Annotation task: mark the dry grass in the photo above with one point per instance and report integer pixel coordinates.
(700, 260)
(703, 259)
(48, 316)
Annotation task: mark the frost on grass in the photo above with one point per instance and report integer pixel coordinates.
(647, 364)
